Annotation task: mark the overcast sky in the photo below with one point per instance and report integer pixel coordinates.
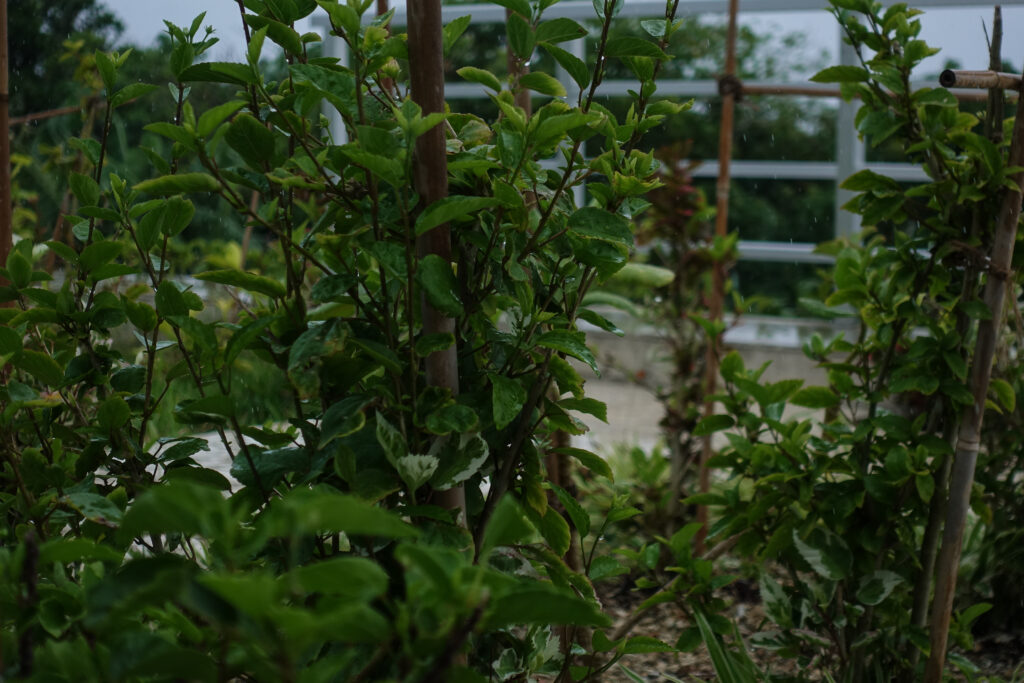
(957, 31)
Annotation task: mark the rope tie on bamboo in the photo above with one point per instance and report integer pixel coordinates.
(1004, 274)
(972, 446)
(730, 84)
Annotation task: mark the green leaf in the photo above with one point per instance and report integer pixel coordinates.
(168, 219)
(432, 343)
(841, 74)
(254, 592)
(208, 408)
(390, 439)
(481, 76)
(869, 181)
(19, 268)
(591, 461)
(463, 457)
(776, 603)
(507, 526)
(323, 510)
(449, 209)
(817, 308)
(85, 189)
(689, 639)
(169, 300)
(580, 518)
(270, 466)
(606, 566)
(250, 282)
(1004, 394)
(641, 645)
(39, 365)
(212, 118)
(179, 183)
(95, 508)
(253, 141)
(540, 605)
(590, 406)
(599, 321)
(628, 46)
(108, 71)
(878, 586)
(348, 578)
(815, 397)
(68, 550)
(508, 397)
(712, 424)
(231, 73)
(113, 413)
(336, 84)
(925, 384)
(575, 66)
(570, 343)
(416, 470)
(520, 36)
(342, 418)
(282, 34)
(967, 617)
(925, 485)
(439, 284)
(10, 341)
(826, 553)
(559, 30)
(453, 30)
(452, 418)
(99, 253)
(553, 128)
(520, 6)
(642, 275)
(655, 28)
(169, 130)
(388, 169)
(597, 223)
(132, 91)
(543, 83)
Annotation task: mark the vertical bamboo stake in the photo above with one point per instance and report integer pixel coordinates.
(430, 171)
(969, 437)
(937, 508)
(728, 90)
(6, 231)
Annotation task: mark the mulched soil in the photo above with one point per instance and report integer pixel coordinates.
(1000, 656)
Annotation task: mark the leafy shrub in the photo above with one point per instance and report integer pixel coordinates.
(844, 486)
(347, 552)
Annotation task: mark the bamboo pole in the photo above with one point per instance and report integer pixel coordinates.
(937, 505)
(969, 437)
(6, 230)
(729, 86)
(426, 74)
(951, 78)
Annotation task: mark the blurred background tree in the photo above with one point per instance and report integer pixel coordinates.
(41, 77)
(53, 44)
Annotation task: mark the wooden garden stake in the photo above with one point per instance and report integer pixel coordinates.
(6, 232)
(430, 174)
(729, 88)
(969, 436)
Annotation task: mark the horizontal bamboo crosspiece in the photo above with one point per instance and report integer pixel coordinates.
(959, 78)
